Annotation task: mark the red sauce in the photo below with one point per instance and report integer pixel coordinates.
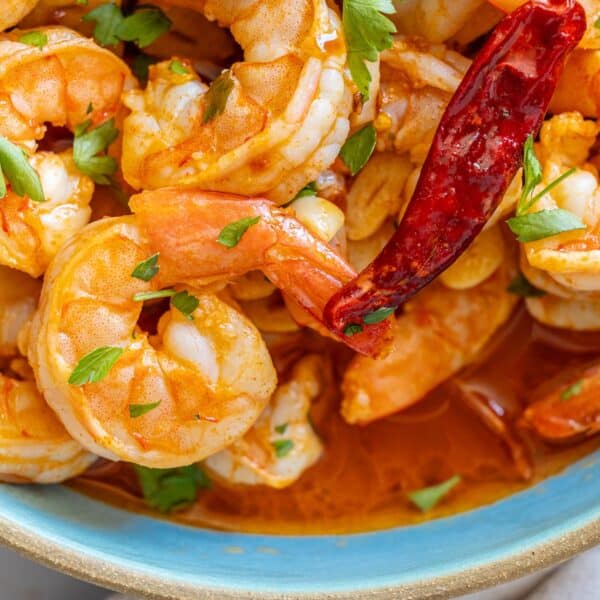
(362, 479)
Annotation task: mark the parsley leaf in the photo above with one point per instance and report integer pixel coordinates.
(282, 447)
(532, 175)
(352, 329)
(309, 189)
(232, 234)
(22, 177)
(147, 269)
(185, 303)
(427, 498)
(108, 18)
(358, 148)
(377, 316)
(34, 38)
(572, 390)
(281, 428)
(87, 145)
(177, 67)
(168, 490)
(144, 26)
(153, 295)
(217, 95)
(545, 223)
(140, 65)
(95, 365)
(521, 287)
(138, 410)
(367, 33)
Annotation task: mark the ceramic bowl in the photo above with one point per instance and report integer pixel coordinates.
(531, 530)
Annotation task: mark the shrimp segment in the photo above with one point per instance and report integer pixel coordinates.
(282, 444)
(212, 376)
(34, 446)
(570, 410)
(183, 225)
(12, 11)
(441, 331)
(283, 122)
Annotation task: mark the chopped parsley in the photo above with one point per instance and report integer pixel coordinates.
(34, 38)
(185, 303)
(138, 410)
(177, 67)
(520, 286)
(429, 497)
(217, 95)
(140, 65)
(282, 447)
(107, 17)
(377, 316)
(367, 33)
(231, 235)
(15, 168)
(95, 365)
(281, 429)
(573, 390)
(352, 329)
(308, 190)
(358, 148)
(530, 227)
(147, 269)
(88, 148)
(168, 490)
(153, 295)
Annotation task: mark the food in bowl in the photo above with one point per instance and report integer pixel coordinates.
(298, 267)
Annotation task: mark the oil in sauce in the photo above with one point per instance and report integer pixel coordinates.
(362, 480)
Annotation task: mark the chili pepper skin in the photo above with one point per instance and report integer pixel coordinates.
(475, 154)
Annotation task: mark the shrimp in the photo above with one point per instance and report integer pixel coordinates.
(183, 224)
(417, 81)
(267, 127)
(67, 82)
(12, 11)
(34, 446)
(441, 332)
(572, 259)
(282, 444)
(567, 408)
(208, 377)
(18, 300)
(435, 20)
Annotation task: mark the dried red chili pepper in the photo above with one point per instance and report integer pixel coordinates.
(474, 156)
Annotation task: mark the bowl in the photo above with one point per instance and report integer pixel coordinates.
(531, 530)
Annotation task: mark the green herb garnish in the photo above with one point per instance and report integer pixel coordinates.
(232, 234)
(217, 95)
(281, 429)
(520, 286)
(352, 329)
(168, 490)
(358, 148)
(185, 303)
(282, 447)
(147, 269)
(89, 144)
(95, 365)
(140, 66)
(177, 67)
(367, 33)
(108, 18)
(22, 177)
(153, 295)
(377, 316)
(429, 497)
(543, 224)
(308, 190)
(34, 38)
(138, 410)
(572, 390)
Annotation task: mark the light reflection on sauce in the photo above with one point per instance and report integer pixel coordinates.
(362, 480)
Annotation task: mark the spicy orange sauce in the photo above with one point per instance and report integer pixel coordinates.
(361, 481)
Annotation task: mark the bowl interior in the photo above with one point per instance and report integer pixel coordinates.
(532, 529)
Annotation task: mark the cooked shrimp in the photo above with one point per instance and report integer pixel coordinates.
(282, 444)
(440, 332)
(573, 258)
(282, 115)
(183, 224)
(68, 81)
(32, 232)
(211, 376)
(12, 11)
(435, 20)
(18, 300)
(34, 446)
(417, 81)
(568, 407)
